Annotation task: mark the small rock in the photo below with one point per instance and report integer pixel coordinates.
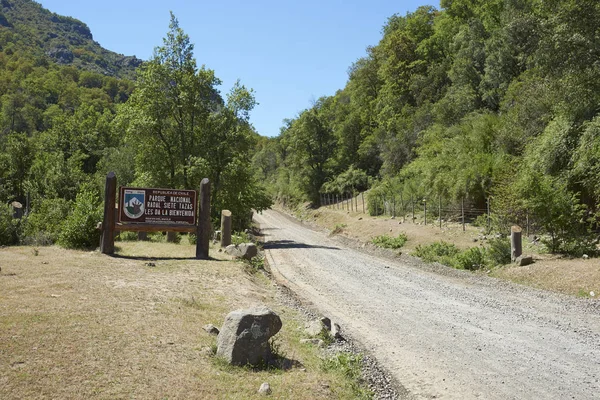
(391, 230)
(150, 264)
(335, 331)
(210, 328)
(265, 389)
(206, 351)
(592, 294)
(360, 218)
(523, 260)
(475, 240)
(585, 257)
(326, 323)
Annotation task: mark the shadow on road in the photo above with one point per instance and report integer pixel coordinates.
(290, 244)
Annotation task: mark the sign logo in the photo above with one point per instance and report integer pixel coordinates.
(133, 203)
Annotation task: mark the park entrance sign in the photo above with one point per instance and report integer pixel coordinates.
(157, 206)
(156, 210)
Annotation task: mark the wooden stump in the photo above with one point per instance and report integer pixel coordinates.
(203, 230)
(107, 242)
(225, 228)
(516, 248)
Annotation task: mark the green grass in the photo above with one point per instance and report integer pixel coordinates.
(389, 242)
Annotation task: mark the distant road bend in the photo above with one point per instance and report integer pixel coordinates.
(459, 336)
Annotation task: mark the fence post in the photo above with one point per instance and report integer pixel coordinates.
(516, 248)
(225, 228)
(107, 242)
(362, 195)
(489, 222)
(203, 229)
(462, 207)
(440, 211)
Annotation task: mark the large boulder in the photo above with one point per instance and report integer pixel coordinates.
(244, 336)
(524, 260)
(244, 250)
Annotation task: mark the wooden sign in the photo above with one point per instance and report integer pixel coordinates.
(157, 206)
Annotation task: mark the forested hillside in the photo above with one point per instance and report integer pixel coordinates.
(65, 125)
(483, 100)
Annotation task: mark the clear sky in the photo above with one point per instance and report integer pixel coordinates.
(290, 52)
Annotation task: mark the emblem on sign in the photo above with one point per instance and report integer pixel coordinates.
(133, 203)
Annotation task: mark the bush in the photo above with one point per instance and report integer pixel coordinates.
(389, 242)
(441, 252)
(498, 252)
(471, 259)
(79, 229)
(43, 225)
(127, 236)
(9, 227)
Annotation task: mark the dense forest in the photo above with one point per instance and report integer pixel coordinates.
(480, 100)
(70, 112)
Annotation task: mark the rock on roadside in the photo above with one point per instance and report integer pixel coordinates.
(245, 334)
(244, 250)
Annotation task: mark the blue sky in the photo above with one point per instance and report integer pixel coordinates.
(290, 53)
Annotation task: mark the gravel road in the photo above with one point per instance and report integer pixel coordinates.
(453, 335)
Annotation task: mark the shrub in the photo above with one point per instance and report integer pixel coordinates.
(389, 242)
(441, 252)
(43, 225)
(9, 227)
(79, 229)
(498, 252)
(127, 236)
(471, 259)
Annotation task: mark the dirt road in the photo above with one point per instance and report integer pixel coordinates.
(454, 335)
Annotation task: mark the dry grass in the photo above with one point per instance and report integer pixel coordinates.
(576, 277)
(83, 325)
(569, 276)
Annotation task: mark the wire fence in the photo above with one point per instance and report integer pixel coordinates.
(430, 211)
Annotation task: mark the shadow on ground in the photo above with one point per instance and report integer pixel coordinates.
(290, 244)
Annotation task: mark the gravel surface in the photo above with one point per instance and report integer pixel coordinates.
(442, 333)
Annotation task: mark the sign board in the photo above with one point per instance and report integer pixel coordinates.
(157, 206)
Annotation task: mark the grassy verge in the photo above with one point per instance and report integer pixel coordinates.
(83, 325)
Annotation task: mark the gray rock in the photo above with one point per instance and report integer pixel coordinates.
(265, 389)
(326, 323)
(245, 334)
(585, 257)
(336, 331)
(523, 260)
(244, 250)
(313, 328)
(210, 328)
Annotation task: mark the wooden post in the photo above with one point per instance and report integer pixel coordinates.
(107, 242)
(171, 237)
(440, 211)
(362, 195)
(403, 210)
(516, 248)
(489, 222)
(462, 208)
(203, 229)
(225, 228)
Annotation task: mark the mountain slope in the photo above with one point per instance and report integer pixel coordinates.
(26, 26)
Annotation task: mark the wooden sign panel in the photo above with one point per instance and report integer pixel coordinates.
(157, 206)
